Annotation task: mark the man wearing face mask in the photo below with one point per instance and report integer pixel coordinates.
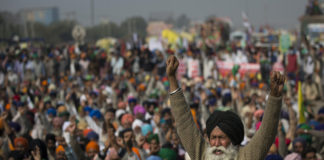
(224, 128)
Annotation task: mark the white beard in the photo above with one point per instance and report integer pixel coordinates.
(229, 153)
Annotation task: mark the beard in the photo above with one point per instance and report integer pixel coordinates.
(229, 153)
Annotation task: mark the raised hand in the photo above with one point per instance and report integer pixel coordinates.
(71, 128)
(36, 154)
(172, 66)
(277, 81)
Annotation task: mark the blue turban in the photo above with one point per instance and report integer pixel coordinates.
(93, 136)
(15, 126)
(95, 113)
(273, 157)
(146, 128)
(87, 109)
(51, 111)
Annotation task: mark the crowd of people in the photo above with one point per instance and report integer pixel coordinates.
(69, 102)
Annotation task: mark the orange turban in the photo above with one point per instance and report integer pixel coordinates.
(127, 118)
(59, 148)
(61, 109)
(92, 145)
(141, 87)
(86, 131)
(21, 140)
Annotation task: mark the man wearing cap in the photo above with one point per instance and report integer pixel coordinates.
(224, 128)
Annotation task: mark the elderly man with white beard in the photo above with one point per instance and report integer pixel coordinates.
(224, 128)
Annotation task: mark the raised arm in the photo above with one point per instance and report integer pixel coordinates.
(264, 137)
(189, 134)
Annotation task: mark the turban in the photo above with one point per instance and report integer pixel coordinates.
(95, 113)
(127, 118)
(65, 113)
(306, 137)
(15, 126)
(61, 109)
(21, 140)
(137, 123)
(229, 123)
(152, 157)
(131, 99)
(92, 145)
(60, 148)
(51, 111)
(87, 109)
(146, 128)
(167, 154)
(119, 113)
(139, 109)
(273, 157)
(92, 136)
(301, 140)
(86, 131)
(153, 136)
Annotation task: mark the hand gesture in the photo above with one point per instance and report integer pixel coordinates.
(277, 81)
(71, 128)
(22, 110)
(36, 154)
(172, 66)
(288, 102)
(4, 116)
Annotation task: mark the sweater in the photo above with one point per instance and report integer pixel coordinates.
(195, 144)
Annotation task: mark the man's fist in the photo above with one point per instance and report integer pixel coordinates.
(277, 81)
(172, 66)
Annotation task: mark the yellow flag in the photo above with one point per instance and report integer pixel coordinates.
(301, 108)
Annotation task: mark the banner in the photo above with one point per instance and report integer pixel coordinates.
(225, 68)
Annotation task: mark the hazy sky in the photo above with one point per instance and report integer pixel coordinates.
(278, 13)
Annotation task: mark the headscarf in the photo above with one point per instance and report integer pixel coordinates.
(229, 122)
(92, 145)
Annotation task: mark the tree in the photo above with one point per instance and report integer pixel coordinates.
(133, 25)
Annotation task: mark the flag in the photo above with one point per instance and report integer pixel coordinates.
(301, 108)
